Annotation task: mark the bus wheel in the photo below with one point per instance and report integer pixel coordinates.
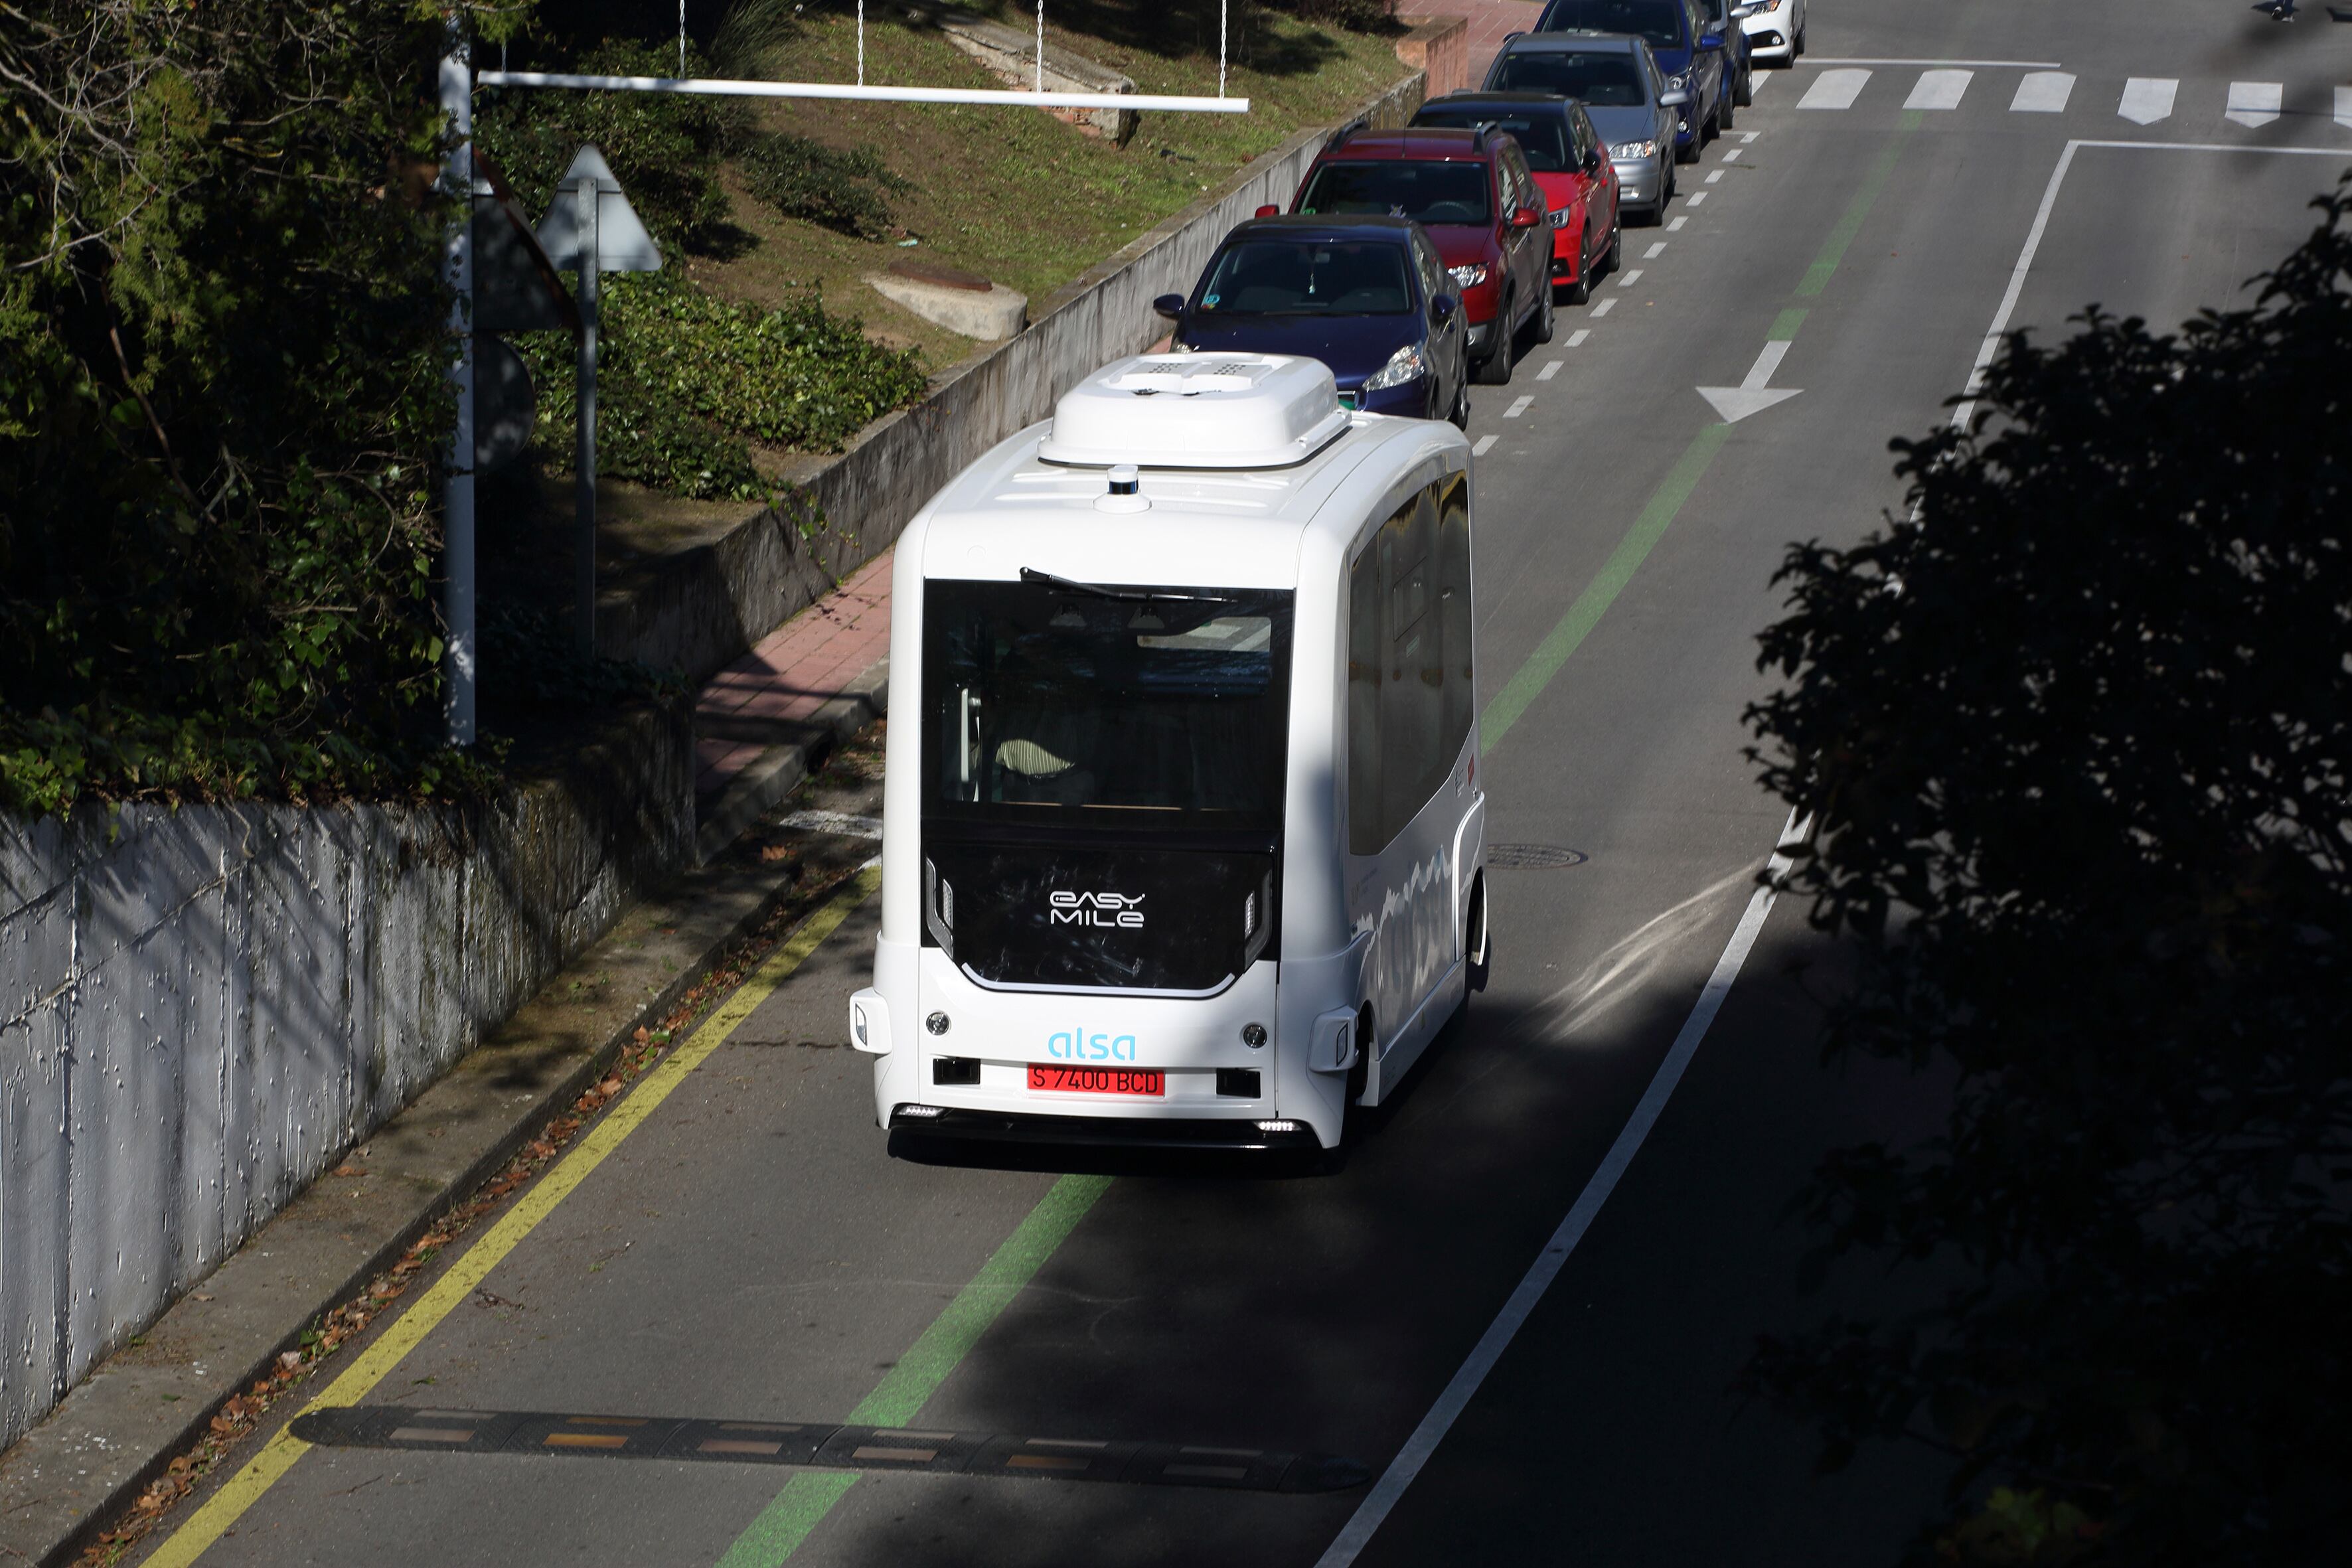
(1477, 943)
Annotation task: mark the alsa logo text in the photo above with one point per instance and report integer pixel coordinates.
(1077, 1044)
(1096, 909)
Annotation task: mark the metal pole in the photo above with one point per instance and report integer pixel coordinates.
(584, 487)
(458, 491)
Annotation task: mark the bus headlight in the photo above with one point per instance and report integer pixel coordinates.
(1405, 364)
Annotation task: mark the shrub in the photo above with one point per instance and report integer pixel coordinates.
(808, 180)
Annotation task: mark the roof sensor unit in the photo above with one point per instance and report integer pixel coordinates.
(1198, 411)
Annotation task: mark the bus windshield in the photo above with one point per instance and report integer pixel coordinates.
(1054, 704)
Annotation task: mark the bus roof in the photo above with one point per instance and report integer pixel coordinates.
(1198, 515)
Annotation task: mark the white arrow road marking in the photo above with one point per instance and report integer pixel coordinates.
(1834, 89)
(1480, 449)
(2344, 106)
(1938, 90)
(2042, 92)
(1734, 404)
(2148, 98)
(2254, 103)
(1518, 406)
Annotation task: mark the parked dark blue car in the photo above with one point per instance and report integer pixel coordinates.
(1367, 296)
(1689, 46)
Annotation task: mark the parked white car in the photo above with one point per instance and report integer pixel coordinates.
(1775, 29)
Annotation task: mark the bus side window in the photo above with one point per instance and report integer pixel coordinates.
(1367, 833)
(1412, 716)
(1453, 592)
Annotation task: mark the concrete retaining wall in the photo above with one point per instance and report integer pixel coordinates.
(705, 607)
(200, 1008)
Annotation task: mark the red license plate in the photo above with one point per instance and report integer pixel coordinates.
(1098, 1080)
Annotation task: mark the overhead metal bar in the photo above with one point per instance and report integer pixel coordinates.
(719, 87)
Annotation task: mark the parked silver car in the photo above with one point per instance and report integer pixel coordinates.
(1622, 90)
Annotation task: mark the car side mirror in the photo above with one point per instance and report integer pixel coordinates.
(1592, 162)
(1672, 98)
(1269, 211)
(1741, 13)
(1169, 305)
(1441, 307)
(1525, 217)
(1710, 40)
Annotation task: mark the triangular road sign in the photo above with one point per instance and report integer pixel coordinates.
(1734, 404)
(622, 243)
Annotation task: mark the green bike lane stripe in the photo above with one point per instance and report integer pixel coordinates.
(806, 1500)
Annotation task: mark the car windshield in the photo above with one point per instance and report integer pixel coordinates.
(1423, 189)
(1660, 21)
(1544, 138)
(1313, 277)
(1602, 80)
(1054, 705)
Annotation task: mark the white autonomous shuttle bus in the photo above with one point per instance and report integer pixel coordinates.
(1183, 833)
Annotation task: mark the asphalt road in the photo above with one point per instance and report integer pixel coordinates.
(755, 1251)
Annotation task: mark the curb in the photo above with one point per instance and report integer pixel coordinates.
(82, 1467)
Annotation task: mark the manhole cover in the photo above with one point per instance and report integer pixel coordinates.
(941, 274)
(1532, 857)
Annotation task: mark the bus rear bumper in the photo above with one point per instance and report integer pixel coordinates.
(1124, 1132)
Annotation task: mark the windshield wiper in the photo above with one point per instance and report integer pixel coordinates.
(1126, 595)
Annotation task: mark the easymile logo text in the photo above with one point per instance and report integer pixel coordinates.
(1118, 909)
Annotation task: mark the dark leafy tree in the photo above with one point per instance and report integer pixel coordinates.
(2079, 734)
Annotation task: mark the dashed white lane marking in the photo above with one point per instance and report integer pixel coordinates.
(1577, 337)
(1674, 226)
(1713, 176)
(2042, 92)
(1733, 156)
(1604, 308)
(1654, 251)
(1981, 65)
(1756, 83)
(1480, 449)
(2344, 107)
(1549, 371)
(1693, 198)
(1938, 90)
(2148, 98)
(1834, 89)
(1747, 136)
(1518, 406)
(2254, 103)
(1627, 280)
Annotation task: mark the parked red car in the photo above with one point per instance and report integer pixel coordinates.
(1572, 167)
(1473, 192)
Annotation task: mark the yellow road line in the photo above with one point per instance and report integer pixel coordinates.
(370, 1367)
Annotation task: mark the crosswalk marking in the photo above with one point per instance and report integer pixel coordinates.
(2254, 103)
(2042, 92)
(1834, 89)
(1938, 90)
(2148, 98)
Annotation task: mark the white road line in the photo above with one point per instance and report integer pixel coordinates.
(1765, 364)
(1577, 337)
(1938, 90)
(1693, 198)
(1627, 280)
(1674, 226)
(1981, 65)
(1549, 371)
(1747, 136)
(1480, 449)
(1518, 406)
(2254, 103)
(1604, 308)
(1991, 344)
(1419, 1448)
(2148, 98)
(1654, 251)
(1756, 84)
(1834, 89)
(1733, 156)
(2042, 92)
(1713, 176)
(2344, 107)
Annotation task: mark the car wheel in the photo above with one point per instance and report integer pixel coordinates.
(1495, 369)
(1575, 293)
(1477, 941)
(1615, 253)
(1797, 43)
(1461, 412)
(1729, 111)
(1746, 93)
(1541, 324)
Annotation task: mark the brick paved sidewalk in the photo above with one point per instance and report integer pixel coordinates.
(770, 696)
(1490, 22)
